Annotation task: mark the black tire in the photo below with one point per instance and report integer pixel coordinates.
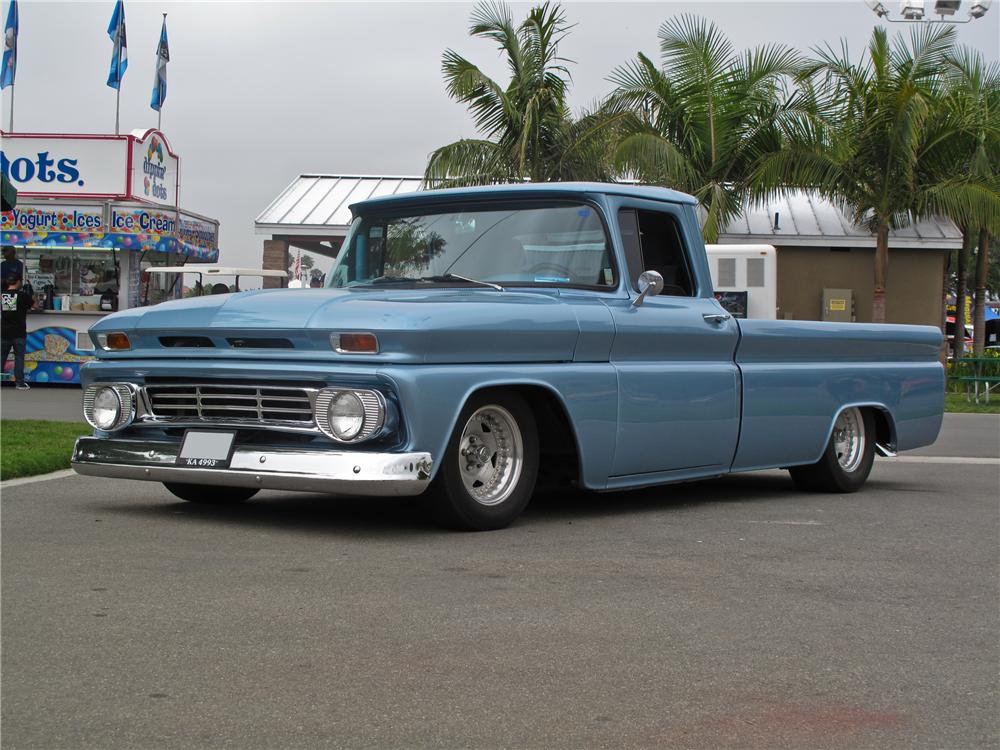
(205, 494)
(828, 475)
(452, 503)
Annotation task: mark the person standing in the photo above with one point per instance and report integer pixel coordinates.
(14, 305)
(10, 266)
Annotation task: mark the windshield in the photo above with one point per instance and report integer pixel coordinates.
(563, 245)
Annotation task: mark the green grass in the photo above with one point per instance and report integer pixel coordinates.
(957, 402)
(31, 446)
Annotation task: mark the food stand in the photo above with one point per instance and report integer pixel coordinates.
(93, 214)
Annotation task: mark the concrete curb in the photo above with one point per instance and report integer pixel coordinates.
(62, 474)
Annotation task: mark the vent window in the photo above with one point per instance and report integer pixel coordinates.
(755, 272)
(727, 271)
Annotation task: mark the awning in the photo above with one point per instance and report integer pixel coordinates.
(126, 226)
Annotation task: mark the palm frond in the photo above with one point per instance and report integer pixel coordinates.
(466, 162)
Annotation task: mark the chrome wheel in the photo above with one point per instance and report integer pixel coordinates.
(849, 439)
(491, 455)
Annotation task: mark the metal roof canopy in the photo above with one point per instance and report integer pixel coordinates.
(806, 219)
(318, 205)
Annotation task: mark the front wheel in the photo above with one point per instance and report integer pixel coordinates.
(488, 473)
(210, 494)
(848, 458)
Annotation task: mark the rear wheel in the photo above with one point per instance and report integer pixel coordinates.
(210, 494)
(488, 473)
(848, 458)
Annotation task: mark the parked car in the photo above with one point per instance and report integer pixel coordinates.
(949, 332)
(471, 343)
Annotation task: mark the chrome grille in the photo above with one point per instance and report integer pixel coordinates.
(227, 403)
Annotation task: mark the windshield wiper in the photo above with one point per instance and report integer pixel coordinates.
(456, 277)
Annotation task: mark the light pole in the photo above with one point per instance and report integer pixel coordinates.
(913, 11)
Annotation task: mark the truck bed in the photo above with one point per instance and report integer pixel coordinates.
(798, 374)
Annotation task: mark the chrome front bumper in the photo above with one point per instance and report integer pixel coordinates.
(334, 472)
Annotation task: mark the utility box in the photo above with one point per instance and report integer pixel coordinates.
(838, 305)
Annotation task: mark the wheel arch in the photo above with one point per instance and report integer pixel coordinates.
(552, 419)
(885, 426)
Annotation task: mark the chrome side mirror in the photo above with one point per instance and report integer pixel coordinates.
(650, 284)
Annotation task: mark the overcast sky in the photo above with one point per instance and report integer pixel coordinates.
(260, 92)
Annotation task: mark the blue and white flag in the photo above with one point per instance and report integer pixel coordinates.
(160, 82)
(119, 57)
(9, 47)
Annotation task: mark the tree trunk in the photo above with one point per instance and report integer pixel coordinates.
(979, 311)
(945, 345)
(958, 340)
(881, 272)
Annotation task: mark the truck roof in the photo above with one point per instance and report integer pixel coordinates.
(533, 189)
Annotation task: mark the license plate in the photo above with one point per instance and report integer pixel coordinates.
(206, 450)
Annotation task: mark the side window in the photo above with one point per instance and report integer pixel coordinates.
(653, 243)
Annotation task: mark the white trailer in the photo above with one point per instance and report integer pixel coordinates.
(745, 278)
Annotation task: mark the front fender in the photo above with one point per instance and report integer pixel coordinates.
(432, 398)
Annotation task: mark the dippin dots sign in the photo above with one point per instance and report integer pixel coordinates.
(154, 170)
(59, 166)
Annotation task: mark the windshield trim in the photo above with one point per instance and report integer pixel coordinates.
(440, 206)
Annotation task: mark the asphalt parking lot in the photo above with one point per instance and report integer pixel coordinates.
(732, 613)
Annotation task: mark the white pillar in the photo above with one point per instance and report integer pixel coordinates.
(125, 259)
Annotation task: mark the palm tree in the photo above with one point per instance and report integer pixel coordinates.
(701, 122)
(971, 102)
(866, 141)
(529, 131)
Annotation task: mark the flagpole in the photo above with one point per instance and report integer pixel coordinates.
(10, 54)
(118, 69)
(159, 110)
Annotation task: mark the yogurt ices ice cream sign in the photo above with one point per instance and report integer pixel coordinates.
(138, 167)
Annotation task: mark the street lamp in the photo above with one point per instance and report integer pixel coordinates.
(979, 8)
(914, 11)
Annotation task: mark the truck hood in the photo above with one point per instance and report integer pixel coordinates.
(412, 325)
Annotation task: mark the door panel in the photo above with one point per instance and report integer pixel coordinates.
(679, 387)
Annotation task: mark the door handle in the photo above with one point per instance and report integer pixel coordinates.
(716, 318)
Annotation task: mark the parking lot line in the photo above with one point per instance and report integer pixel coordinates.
(943, 460)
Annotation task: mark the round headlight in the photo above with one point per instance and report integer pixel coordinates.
(346, 415)
(107, 408)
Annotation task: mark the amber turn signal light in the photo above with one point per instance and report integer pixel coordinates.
(354, 343)
(113, 342)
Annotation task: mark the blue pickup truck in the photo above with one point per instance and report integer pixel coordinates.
(473, 344)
